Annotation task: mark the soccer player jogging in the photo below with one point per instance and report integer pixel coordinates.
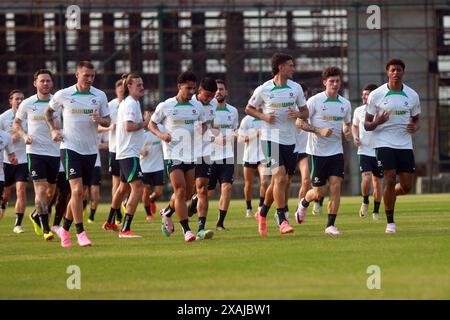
(114, 169)
(329, 117)
(181, 117)
(6, 146)
(15, 174)
(249, 132)
(129, 141)
(370, 167)
(43, 153)
(393, 115)
(199, 201)
(84, 107)
(152, 165)
(226, 122)
(282, 102)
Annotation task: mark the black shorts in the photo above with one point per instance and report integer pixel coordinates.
(96, 178)
(154, 178)
(367, 163)
(78, 165)
(2, 185)
(203, 168)
(251, 165)
(402, 160)
(324, 167)
(130, 169)
(222, 173)
(43, 167)
(62, 183)
(300, 156)
(15, 173)
(281, 155)
(114, 168)
(172, 165)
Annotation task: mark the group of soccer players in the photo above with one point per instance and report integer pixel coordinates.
(55, 140)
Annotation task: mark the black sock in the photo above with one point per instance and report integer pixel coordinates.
(43, 218)
(376, 206)
(119, 215)
(147, 211)
(127, 222)
(264, 210)
(168, 212)
(3, 206)
(305, 203)
(192, 207)
(19, 218)
(79, 227)
(320, 201)
(185, 225)
(112, 214)
(84, 204)
(92, 215)
(249, 204)
(58, 217)
(366, 199)
(286, 208)
(281, 216)
(67, 223)
(390, 216)
(222, 215)
(261, 201)
(35, 217)
(201, 223)
(331, 219)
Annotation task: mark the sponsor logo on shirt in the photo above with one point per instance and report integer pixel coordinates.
(82, 111)
(180, 122)
(38, 118)
(398, 112)
(282, 105)
(332, 118)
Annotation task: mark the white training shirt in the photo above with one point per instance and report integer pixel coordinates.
(209, 114)
(153, 161)
(329, 113)
(180, 120)
(301, 140)
(226, 121)
(253, 148)
(6, 124)
(278, 99)
(401, 106)
(32, 112)
(79, 131)
(113, 106)
(365, 137)
(129, 144)
(6, 147)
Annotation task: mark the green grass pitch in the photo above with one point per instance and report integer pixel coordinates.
(239, 264)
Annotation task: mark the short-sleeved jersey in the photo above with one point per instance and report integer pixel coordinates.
(325, 112)
(79, 131)
(209, 114)
(113, 106)
(365, 137)
(278, 99)
(6, 147)
(180, 120)
(153, 161)
(32, 111)
(253, 148)
(400, 106)
(226, 121)
(129, 144)
(6, 124)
